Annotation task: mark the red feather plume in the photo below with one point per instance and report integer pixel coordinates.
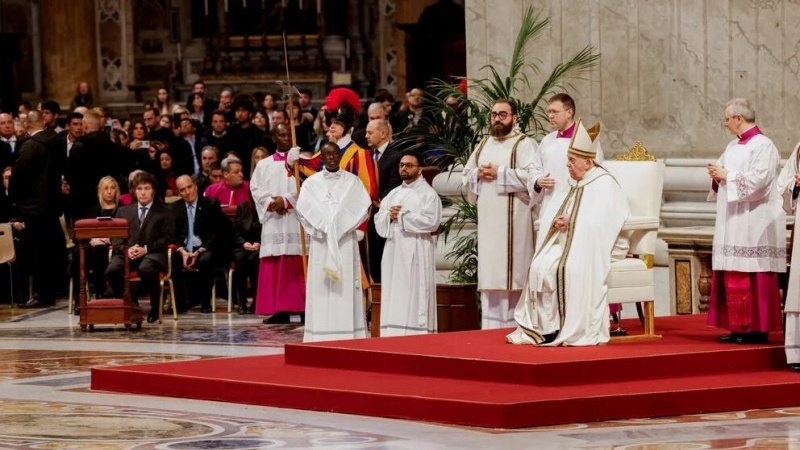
(462, 86)
(341, 96)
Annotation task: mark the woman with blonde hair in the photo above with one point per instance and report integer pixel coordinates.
(97, 256)
(258, 154)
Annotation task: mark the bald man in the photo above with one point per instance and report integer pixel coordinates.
(35, 190)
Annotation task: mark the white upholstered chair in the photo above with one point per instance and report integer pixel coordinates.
(631, 279)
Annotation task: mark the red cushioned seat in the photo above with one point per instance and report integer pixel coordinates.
(106, 303)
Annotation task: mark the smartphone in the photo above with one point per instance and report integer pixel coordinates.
(145, 144)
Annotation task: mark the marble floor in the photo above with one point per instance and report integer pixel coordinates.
(45, 401)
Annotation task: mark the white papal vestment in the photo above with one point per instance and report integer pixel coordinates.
(553, 151)
(566, 289)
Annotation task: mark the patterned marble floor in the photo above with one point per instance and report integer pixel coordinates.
(45, 402)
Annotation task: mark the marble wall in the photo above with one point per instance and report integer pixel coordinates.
(667, 67)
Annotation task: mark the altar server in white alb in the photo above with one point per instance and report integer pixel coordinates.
(749, 247)
(281, 288)
(789, 186)
(496, 177)
(565, 301)
(407, 219)
(331, 205)
(553, 151)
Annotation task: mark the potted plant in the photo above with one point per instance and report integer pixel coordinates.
(456, 119)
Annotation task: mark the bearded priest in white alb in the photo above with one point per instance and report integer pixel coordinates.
(565, 300)
(789, 186)
(331, 205)
(496, 177)
(749, 247)
(281, 286)
(407, 219)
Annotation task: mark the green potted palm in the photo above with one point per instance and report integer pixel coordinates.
(454, 122)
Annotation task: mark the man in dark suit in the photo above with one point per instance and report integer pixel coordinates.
(387, 157)
(66, 140)
(7, 134)
(204, 235)
(217, 136)
(196, 142)
(152, 230)
(35, 191)
(243, 136)
(91, 158)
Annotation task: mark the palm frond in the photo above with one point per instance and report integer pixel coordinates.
(530, 28)
(573, 68)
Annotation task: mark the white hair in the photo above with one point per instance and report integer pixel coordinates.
(742, 107)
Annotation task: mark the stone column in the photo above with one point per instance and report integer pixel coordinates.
(386, 48)
(114, 20)
(69, 48)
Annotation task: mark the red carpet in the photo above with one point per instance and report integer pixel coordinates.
(475, 378)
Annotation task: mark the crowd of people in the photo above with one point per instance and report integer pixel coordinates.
(313, 206)
(209, 181)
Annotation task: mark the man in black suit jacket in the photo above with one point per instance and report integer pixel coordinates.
(152, 230)
(378, 137)
(93, 157)
(35, 191)
(204, 235)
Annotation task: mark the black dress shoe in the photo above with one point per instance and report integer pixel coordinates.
(76, 311)
(34, 303)
(548, 338)
(732, 338)
(753, 337)
(276, 318)
(152, 318)
(205, 309)
(794, 367)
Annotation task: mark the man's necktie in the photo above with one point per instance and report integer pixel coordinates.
(190, 235)
(143, 213)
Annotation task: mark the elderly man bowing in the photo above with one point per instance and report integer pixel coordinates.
(408, 216)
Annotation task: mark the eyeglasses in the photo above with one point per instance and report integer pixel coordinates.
(727, 119)
(553, 112)
(502, 115)
(408, 165)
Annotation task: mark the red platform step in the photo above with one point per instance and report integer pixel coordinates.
(474, 378)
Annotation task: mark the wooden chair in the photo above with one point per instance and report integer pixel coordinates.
(8, 254)
(106, 310)
(164, 280)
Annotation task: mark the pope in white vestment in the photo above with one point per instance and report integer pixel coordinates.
(553, 152)
(496, 177)
(789, 186)
(749, 247)
(331, 205)
(565, 301)
(407, 218)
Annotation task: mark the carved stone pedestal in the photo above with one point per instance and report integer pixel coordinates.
(689, 260)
